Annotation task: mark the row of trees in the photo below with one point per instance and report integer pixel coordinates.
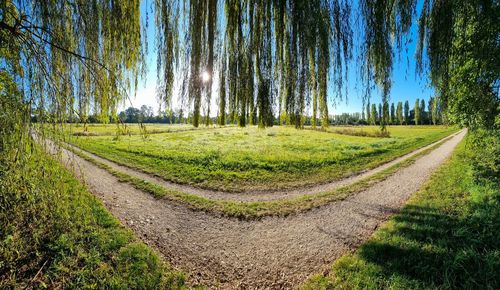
(146, 115)
(401, 114)
(273, 59)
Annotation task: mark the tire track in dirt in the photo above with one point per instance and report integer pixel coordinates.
(273, 252)
(248, 196)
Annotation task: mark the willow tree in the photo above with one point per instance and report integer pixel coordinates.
(373, 115)
(167, 47)
(399, 113)
(311, 31)
(222, 94)
(385, 22)
(69, 54)
(263, 62)
(460, 38)
(234, 31)
(186, 37)
(278, 52)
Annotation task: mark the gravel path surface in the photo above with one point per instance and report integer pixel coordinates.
(272, 252)
(253, 195)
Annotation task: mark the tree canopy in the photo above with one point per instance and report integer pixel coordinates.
(272, 59)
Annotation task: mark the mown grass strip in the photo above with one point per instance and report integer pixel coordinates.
(55, 234)
(446, 237)
(258, 209)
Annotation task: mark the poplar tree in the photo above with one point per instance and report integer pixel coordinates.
(417, 111)
(423, 115)
(393, 117)
(399, 113)
(380, 114)
(373, 115)
(407, 112)
(385, 115)
(429, 107)
(368, 115)
(434, 109)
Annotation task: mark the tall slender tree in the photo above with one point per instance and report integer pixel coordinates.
(417, 112)
(423, 114)
(407, 112)
(380, 114)
(368, 113)
(399, 113)
(373, 115)
(385, 115)
(393, 115)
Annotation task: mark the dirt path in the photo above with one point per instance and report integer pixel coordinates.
(253, 195)
(270, 253)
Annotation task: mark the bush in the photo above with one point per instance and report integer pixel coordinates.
(484, 154)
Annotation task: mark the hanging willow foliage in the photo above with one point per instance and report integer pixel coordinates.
(167, 33)
(72, 54)
(281, 54)
(278, 55)
(463, 52)
(463, 49)
(385, 23)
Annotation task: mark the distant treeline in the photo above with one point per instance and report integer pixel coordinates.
(399, 113)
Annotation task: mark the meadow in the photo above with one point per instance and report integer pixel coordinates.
(79, 129)
(446, 237)
(237, 159)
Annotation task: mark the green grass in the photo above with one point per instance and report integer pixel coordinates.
(55, 234)
(125, 129)
(446, 237)
(254, 210)
(235, 159)
(395, 131)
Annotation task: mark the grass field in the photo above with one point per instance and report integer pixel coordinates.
(447, 237)
(124, 129)
(257, 209)
(236, 159)
(55, 234)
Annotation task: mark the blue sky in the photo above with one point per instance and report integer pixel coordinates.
(406, 84)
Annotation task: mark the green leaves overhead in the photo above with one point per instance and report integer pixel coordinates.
(463, 50)
(277, 58)
(276, 54)
(385, 24)
(460, 39)
(166, 39)
(73, 53)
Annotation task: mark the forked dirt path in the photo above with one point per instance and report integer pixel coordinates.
(273, 252)
(254, 195)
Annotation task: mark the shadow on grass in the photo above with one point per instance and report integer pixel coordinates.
(441, 249)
